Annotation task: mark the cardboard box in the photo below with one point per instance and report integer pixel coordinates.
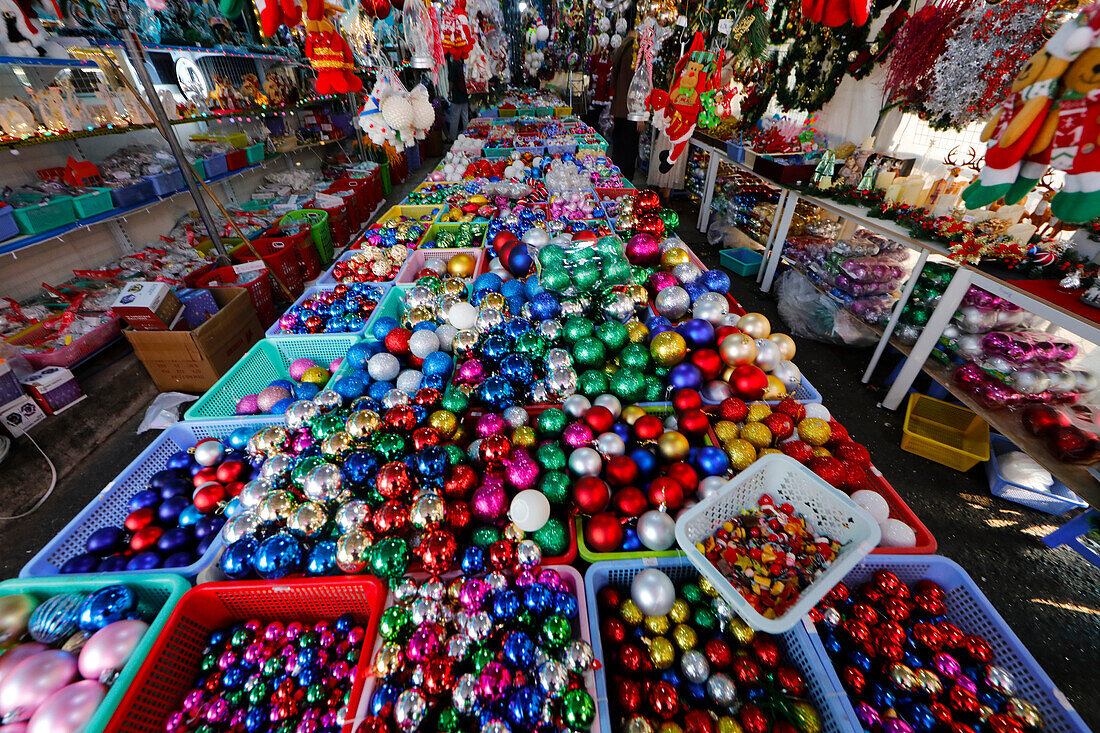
(148, 306)
(192, 361)
(198, 306)
(54, 388)
(20, 415)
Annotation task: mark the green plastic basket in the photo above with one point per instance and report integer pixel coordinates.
(318, 229)
(35, 218)
(258, 205)
(199, 166)
(254, 153)
(384, 174)
(157, 595)
(92, 204)
(264, 363)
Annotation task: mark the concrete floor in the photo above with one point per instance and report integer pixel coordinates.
(1050, 598)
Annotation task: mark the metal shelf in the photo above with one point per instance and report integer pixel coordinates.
(233, 51)
(40, 61)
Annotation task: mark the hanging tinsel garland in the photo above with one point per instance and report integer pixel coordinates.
(918, 44)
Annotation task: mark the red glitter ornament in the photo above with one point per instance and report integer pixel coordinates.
(798, 450)
(781, 426)
(829, 469)
(664, 700)
(718, 653)
(733, 409)
(792, 409)
(397, 341)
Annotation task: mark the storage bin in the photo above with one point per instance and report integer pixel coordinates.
(92, 204)
(317, 221)
(265, 362)
(254, 153)
(412, 154)
(172, 664)
(167, 182)
(741, 261)
(216, 165)
(563, 111)
(236, 159)
(971, 611)
(419, 258)
(8, 227)
(199, 166)
(280, 255)
(1058, 499)
(157, 596)
(35, 218)
(70, 354)
(795, 644)
(135, 194)
(944, 433)
(111, 506)
(258, 287)
(274, 332)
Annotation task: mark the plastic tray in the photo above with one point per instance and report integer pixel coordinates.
(264, 363)
(1059, 499)
(944, 433)
(327, 278)
(133, 195)
(273, 332)
(216, 165)
(418, 258)
(157, 595)
(971, 611)
(42, 217)
(167, 182)
(172, 664)
(741, 261)
(585, 627)
(926, 543)
(109, 507)
(91, 204)
(8, 227)
(199, 166)
(67, 356)
(821, 690)
(254, 153)
(827, 510)
(317, 221)
(434, 229)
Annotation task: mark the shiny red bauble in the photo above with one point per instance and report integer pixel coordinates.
(718, 653)
(437, 551)
(664, 699)
(599, 418)
(495, 449)
(204, 475)
(694, 423)
(753, 719)
(666, 491)
(749, 382)
(698, 721)
(721, 332)
(648, 427)
(648, 201)
(684, 475)
(621, 471)
(503, 238)
(502, 555)
(145, 538)
(591, 494)
(686, 399)
(766, 651)
(733, 409)
(392, 518)
(458, 515)
(629, 502)
(708, 361)
(613, 629)
(208, 497)
(230, 471)
(424, 437)
(1041, 419)
(838, 433)
(1073, 445)
(461, 482)
(393, 481)
(603, 533)
(139, 518)
(628, 693)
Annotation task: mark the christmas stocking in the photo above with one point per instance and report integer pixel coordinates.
(675, 112)
(1017, 123)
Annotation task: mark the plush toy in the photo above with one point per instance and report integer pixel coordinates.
(1017, 154)
(454, 29)
(675, 112)
(835, 13)
(274, 13)
(1075, 146)
(327, 50)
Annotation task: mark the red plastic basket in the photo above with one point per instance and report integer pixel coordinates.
(172, 664)
(308, 257)
(926, 543)
(280, 254)
(66, 356)
(258, 287)
(353, 206)
(191, 280)
(236, 160)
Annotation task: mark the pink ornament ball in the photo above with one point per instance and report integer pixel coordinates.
(298, 368)
(490, 424)
(643, 249)
(658, 281)
(335, 365)
(488, 503)
(270, 395)
(33, 681)
(68, 710)
(110, 648)
(248, 405)
(578, 435)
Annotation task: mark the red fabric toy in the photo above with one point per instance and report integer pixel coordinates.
(328, 52)
(675, 112)
(835, 13)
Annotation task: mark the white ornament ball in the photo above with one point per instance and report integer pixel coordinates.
(383, 367)
(611, 402)
(423, 342)
(1022, 469)
(657, 530)
(603, 24)
(603, 40)
(542, 33)
(818, 411)
(873, 502)
(586, 462)
(653, 592)
(463, 316)
(397, 111)
(446, 335)
(616, 40)
(409, 380)
(896, 533)
(529, 510)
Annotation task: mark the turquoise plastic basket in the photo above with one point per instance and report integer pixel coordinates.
(796, 645)
(157, 596)
(264, 363)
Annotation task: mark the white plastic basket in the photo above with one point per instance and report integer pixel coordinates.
(826, 510)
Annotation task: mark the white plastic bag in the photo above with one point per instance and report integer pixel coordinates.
(164, 411)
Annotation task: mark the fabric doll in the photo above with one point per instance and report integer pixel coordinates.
(676, 111)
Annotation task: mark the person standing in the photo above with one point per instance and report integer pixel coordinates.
(458, 113)
(624, 133)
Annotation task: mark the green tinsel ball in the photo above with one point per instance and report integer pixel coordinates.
(552, 538)
(555, 487)
(550, 456)
(551, 422)
(592, 383)
(576, 328)
(554, 278)
(634, 356)
(589, 353)
(654, 388)
(628, 385)
(550, 255)
(613, 335)
(585, 275)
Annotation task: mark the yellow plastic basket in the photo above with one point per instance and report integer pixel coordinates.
(944, 433)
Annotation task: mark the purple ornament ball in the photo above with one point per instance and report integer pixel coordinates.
(248, 405)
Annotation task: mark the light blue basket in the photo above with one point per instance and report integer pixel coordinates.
(837, 716)
(110, 508)
(971, 611)
(274, 331)
(1059, 499)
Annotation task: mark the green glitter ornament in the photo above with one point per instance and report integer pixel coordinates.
(589, 353)
(586, 275)
(550, 457)
(484, 536)
(634, 356)
(455, 401)
(551, 254)
(616, 271)
(482, 657)
(555, 487)
(552, 538)
(654, 389)
(671, 219)
(613, 335)
(592, 383)
(692, 593)
(550, 423)
(554, 278)
(705, 620)
(449, 721)
(575, 328)
(628, 385)
(455, 455)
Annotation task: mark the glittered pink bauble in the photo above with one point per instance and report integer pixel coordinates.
(110, 648)
(490, 424)
(643, 249)
(658, 281)
(270, 395)
(553, 579)
(470, 371)
(522, 473)
(298, 368)
(577, 435)
(489, 503)
(248, 405)
(494, 681)
(969, 375)
(423, 644)
(335, 364)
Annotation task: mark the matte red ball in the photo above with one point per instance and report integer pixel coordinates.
(667, 491)
(708, 361)
(233, 488)
(603, 533)
(503, 237)
(139, 518)
(686, 399)
(648, 427)
(798, 450)
(208, 496)
(621, 471)
(722, 331)
(591, 494)
(397, 341)
(204, 475)
(792, 408)
(782, 426)
(599, 418)
(629, 502)
(854, 452)
(145, 538)
(749, 382)
(230, 471)
(694, 423)
(733, 409)
(684, 475)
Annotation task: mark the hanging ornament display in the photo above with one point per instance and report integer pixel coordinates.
(477, 70)
(454, 30)
(416, 23)
(651, 35)
(917, 45)
(394, 117)
(675, 112)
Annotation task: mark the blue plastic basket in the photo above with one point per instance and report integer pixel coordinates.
(110, 508)
(741, 261)
(806, 394)
(133, 195)
(167, 182)
(412, 156)
(971, 611)
(1059, 499)
(823, 690)
(216, 165)
(273, 332)
(8, 227)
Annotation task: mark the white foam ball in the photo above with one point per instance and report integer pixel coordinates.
(409, 380)
(1022, 469)
(383, 367)
(873, 502)
(462, 316)
(423, 342)
(542, 33)
(446, 335)
(896, 533)
(529, 510)
(820, 411)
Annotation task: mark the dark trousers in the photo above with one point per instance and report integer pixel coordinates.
(624, 145)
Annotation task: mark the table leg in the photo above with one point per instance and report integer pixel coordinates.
(780, 239)
(708, 191)
(769, 243)
(895, 315)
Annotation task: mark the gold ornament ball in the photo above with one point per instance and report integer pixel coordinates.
(673, 446)
(636, 332)
(740, 631)
(758, 434)
(737, 349)
(769, 451)
(785, 344)
(15, 612)
(821, 452)
(444, 421)
(523, 437)
(668, 349)
(741, 453)
(661, 652)
(775, 390)
(673, 255)
(308, 519)
(630, 613)
(631, 413)
(638, 294)
(461, 436)
(685, 637)
(756, 325)
(670, 728)
(461, 265)
(815, 431)
(337, 445)
(453, 286)
(315, 375)
(804, 716)
(352, 549)
(758, 411)
(362, 424)
(680, 611)
(706, 587)
(727, 724)
(667, 14)
(657, 625)
(494, 301)
(726, 431)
